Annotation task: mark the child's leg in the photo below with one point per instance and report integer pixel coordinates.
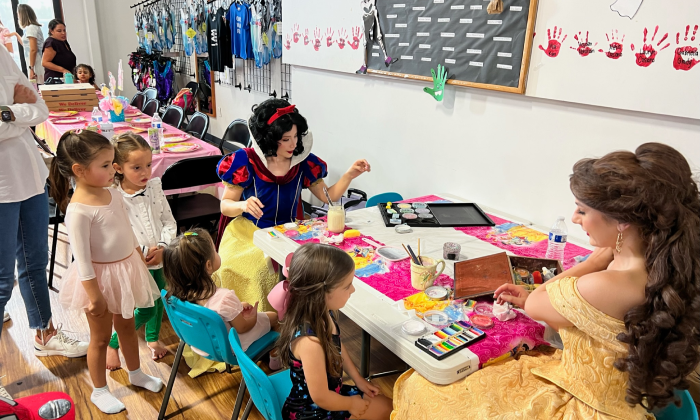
(152, 327)
(141, 316)
(130, 350)
(100, 328)
(379, 408)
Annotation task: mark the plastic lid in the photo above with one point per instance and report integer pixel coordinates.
(413, 327)
(560, 217)
(436, 318)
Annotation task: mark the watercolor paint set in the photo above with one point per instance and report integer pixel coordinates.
(434, 214)
(449, 340)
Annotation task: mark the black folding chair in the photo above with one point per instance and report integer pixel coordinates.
(55, 219)
(173, 116)
(151, 107)
(236, 136)
(198, 126)
(197, 209)
(150, 93)
(139, 100)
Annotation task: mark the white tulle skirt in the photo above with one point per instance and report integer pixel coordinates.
(125, 285)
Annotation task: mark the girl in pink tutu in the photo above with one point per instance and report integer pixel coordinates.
(108, 278)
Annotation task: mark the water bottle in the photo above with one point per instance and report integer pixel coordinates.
(557, 240)
(107, 129)
(68, 78)
(157, 123)
(96, 115)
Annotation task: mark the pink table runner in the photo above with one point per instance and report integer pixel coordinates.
(52, 134)
(392, 279)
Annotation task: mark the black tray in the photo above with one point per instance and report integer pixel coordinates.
(446, 215)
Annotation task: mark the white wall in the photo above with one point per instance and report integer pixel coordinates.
(84, 35)
(506, 151)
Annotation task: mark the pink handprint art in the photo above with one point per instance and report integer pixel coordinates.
(686, 57)
(306, 37)
(288, 43)
(342, 38)
(356, 37)
(615, 48)
(648, 54)
(329, 37)
(295, 31)
(317, 38)
(553, 43)
(585, 47)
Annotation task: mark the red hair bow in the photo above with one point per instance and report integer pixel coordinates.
(280, 112)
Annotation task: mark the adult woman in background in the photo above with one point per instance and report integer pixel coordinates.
(58, 59)
(630, 330)
(32, 41)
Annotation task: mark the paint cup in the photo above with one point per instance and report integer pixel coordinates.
(423, 276)
(451, 250)
(336, 218)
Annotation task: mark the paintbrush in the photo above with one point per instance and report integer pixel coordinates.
(411, 256)
(418, 247)
(328, 197)
(416, 259)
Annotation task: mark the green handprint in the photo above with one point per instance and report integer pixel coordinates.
(439, 81)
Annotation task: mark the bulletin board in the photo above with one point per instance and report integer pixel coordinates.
(638, 55)
(478, 49)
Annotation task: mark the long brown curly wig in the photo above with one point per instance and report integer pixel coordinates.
(653, 189)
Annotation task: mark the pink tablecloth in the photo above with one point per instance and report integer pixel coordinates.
(52, 133)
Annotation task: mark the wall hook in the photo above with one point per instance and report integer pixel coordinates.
(274, 94)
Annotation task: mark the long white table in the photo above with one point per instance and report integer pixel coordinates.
(380, 316)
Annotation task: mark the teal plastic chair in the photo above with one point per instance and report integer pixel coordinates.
(268, 393)
(204, 329)
(383, 198)
(687, 410)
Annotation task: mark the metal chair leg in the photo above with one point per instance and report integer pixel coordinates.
(248, 407)
(54, 243)
(239, 400)
(228, 368)
(171, 381)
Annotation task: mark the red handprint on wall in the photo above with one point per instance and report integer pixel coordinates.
(356, 37)
(329, 37)
(615, 49)
(288, 44)
(317, 38)
(648, 54)
(686, 57)
(342, 37)
(306, 37)
(553, 43)
(295, 31)
(585, 47)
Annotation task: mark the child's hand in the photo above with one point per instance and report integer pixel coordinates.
(155, 256)
(358, 168)
(367, 387)
(98, 307)
(359, 406)
(249, 311)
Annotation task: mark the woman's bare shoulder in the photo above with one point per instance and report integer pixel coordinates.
(613, 292)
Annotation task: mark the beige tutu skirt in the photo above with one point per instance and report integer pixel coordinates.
(125, 285)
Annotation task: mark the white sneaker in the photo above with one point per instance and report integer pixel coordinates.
(6, 317)
(61, 345)
(3, 392)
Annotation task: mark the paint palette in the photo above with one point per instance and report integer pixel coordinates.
(449, 340)
(434, 214)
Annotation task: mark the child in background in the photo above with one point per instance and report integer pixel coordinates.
(84, 73)
(153, 224)
(189, 263)
(108, 278)
(320, 283)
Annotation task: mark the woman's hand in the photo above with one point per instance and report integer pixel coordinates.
(98, 307)
(253, 206)
(367, 387)
(24, 95)
(517, 295)
(359, 406)
(32, 75)
(358, 168)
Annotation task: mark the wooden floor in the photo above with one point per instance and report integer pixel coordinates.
(210, 396)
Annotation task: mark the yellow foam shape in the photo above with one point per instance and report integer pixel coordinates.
(352, 233)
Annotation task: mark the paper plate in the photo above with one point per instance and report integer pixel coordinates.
(180, 147)
(175, 138)
(62, 113)
(141, 121)
(75, 120)
(132, 113)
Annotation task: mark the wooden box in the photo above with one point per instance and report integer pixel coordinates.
(70, 97)
(482, 276)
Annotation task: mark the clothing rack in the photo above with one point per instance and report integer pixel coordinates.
(150, 3)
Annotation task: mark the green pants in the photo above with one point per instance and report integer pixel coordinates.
(150, 317)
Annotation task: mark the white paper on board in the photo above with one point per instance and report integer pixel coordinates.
(626, 8)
